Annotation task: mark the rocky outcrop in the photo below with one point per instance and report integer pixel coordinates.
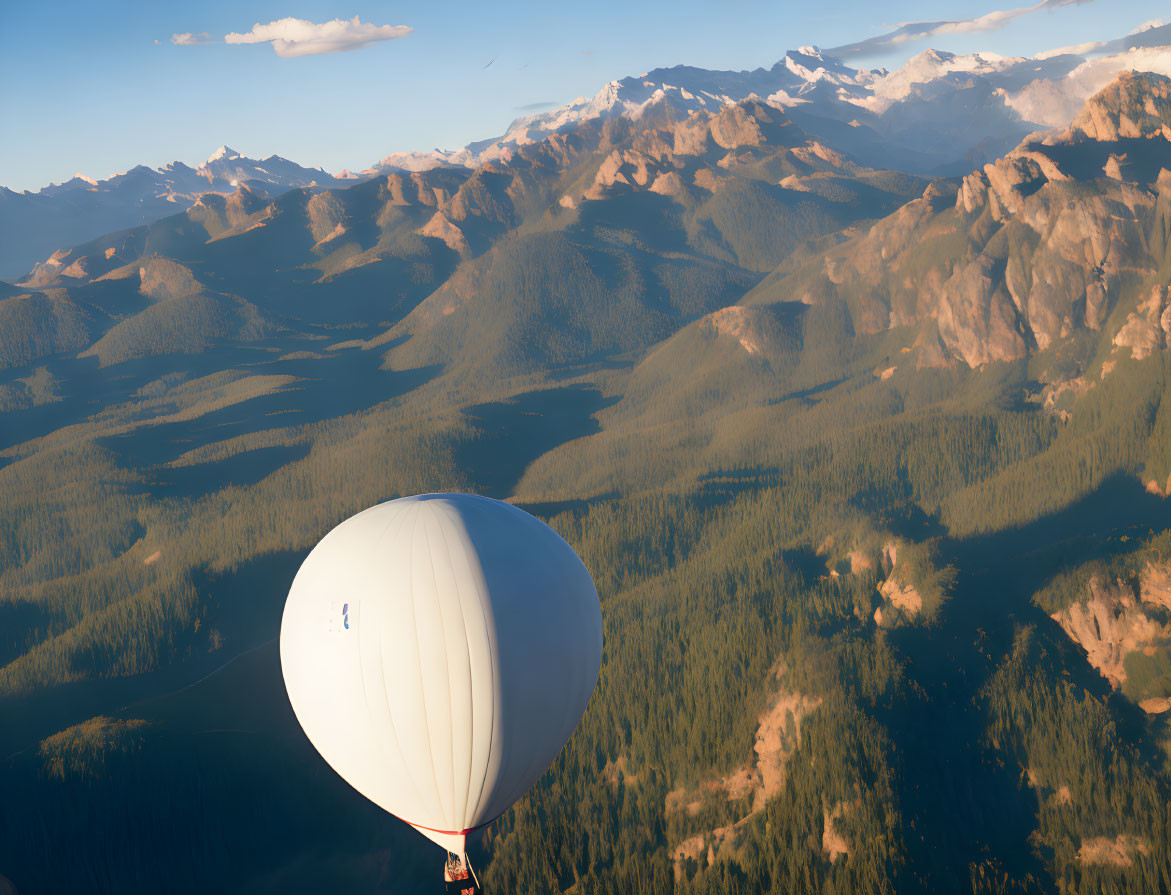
(1120, 851)
(1061, 256)
(668, 183)
(219, 214)
(853, 561)
(162, 279)
(48, 271)
(1058, 794)
(833, 842)
(1156, 705)
(1119, 618)
(626, 168)
(907, 583)
(326, 215)
(1148, 327)
(1029, 250)
(439, 227)
(1058, 397)
(1136, 105)
(707, 848)
(617, 773)
(703, 149)
(1002, 187)
(753, 329)
(977, 318)
(1162, 490)
(484, 195)
(904, 597)
(736, 126)
(777, 737)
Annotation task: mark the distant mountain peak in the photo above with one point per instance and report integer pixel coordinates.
(935, 55)
(84, 207)
(224, 152)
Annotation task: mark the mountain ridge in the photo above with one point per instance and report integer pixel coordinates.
(807, 76)
(34, 224)
(878, 117)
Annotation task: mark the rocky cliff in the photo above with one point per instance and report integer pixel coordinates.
(1027, 251)
(1120, 618)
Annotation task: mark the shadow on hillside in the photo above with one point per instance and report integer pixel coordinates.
(327, 388)
(245, 604)
(1142, 159)
(721, 486)
(337, 383)
(644, 220)
(518, 431)
(578, 506)
(975, 803)
(574, 370)
(808, 396)
(225, 794)
(244, 607)
(243, 469)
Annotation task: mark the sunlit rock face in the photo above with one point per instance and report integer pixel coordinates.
(1031, 249)
(1121, 618)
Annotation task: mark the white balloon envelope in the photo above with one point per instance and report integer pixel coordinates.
(439, 651)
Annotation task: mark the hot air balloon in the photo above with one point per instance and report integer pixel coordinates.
(438, 652)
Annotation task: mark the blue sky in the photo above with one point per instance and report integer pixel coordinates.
(99, 87)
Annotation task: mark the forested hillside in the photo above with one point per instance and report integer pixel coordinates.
(871, 471)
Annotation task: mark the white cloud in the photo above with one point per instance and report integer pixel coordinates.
(187, 39)
(909, 31)
(1054, 103)
(299, 37)
(1150, 34)
(1147, 26)
(1074, 50)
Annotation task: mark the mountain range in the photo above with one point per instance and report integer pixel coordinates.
(34, 224)
(718, 199)
(939, 113)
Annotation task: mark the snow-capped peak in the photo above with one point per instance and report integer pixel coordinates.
(224, 152)
(88, 180)
(926, 67)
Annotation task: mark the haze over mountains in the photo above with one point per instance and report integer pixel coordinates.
(939, 113)
(853, 393)
(63, 214)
